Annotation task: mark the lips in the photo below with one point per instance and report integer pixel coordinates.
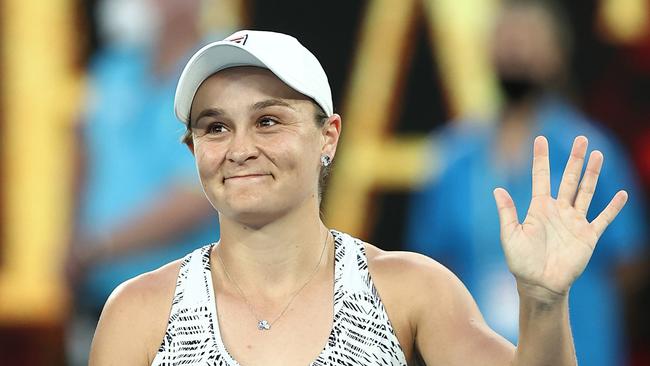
(246, 176)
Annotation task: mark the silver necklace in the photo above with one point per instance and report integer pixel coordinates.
(263, 324)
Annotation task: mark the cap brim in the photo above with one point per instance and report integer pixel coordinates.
(207, 61)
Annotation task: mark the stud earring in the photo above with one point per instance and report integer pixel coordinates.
(325, 160)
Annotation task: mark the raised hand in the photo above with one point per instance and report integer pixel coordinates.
(552, 247)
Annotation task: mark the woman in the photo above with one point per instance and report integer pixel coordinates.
(280, 288)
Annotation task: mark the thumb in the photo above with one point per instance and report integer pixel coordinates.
(507, 212)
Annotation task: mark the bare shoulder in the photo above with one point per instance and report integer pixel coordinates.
(401, 259)
(413, 288)
(432, 290)
(445, 323)
(134, 318)
(149, 293)
(412, 275)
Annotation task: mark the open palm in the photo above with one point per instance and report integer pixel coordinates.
(552, 247)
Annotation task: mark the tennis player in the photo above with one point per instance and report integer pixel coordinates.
(281, 288)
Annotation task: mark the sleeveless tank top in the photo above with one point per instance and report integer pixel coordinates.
(361, 333)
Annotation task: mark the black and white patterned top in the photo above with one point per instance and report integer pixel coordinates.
(361, 333)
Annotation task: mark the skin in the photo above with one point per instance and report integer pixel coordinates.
(525, 42)
(273, 237)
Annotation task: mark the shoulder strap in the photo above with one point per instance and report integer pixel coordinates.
(190, 286)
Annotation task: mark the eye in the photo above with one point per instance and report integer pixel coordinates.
(215, 128)
(266, 122)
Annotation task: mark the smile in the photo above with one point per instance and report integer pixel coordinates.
(246, 177)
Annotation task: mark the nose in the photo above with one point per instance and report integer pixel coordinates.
(242, 148)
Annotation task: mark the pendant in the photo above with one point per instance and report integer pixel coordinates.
(263, 325)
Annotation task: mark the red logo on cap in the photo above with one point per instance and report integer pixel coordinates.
(241, 39)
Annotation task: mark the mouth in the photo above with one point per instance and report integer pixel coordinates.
(245, 177)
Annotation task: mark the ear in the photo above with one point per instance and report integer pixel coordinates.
(331, 132)
(190, 144)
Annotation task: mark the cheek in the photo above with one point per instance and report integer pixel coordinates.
(302, 162)
(208, 160)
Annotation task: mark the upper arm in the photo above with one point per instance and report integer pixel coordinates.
(434, 311)
(450, 329)
(120, 333)
(133, 321)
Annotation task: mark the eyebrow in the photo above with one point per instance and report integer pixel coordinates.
(218, 112)
(270, 103)
(210, 112)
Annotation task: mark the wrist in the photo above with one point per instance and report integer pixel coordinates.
(540, 295)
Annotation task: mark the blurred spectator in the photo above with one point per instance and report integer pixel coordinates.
(454, 218)
(140, 203)
(617, 91)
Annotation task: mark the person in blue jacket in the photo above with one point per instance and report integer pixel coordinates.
(139, 201)
(452, 219)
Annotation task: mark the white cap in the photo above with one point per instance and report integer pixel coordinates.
(282, 54)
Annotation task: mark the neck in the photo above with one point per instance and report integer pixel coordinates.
(276, 258)
(514, 131)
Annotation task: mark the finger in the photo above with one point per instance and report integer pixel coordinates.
(606, 217)
(573, 170)
(507, 212)
(589, 181)
(541, 168)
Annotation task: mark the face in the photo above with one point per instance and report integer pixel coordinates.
(257, 145)
(525, 45)
(175, 12)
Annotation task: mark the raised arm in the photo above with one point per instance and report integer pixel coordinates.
(550, 249)
(545, 253)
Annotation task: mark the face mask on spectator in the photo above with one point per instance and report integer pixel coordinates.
(516, 89)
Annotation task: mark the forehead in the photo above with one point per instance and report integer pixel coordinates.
(525, 21)
(243, 84)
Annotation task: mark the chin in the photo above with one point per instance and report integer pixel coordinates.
(254, 207)
(255, 218)
(250, 210)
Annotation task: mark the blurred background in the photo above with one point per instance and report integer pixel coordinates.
(440, 100)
